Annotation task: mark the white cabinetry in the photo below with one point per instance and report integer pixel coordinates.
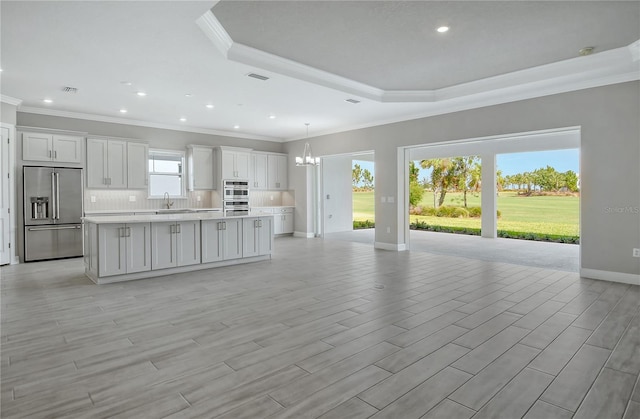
(282, 220)
(106, 164)
(175, 244)
(221, 240)
(234, 163)
(277, 171)
(137, 165)
(51, 147)
(258, 175)
(257, 236)
(200, 161)
(124, 248)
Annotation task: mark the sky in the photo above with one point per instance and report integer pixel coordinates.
(510, 164)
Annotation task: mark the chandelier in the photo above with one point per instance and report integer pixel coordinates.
(307, 159)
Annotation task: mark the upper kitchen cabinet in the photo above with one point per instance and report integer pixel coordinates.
(51, 147)
(200, 161)
(234, 163)
(107, 164)
(137, 165)
(258, 171)
(277, 171)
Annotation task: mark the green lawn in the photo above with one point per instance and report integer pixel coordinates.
(534, 214)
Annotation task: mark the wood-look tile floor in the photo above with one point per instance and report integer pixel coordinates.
(324, 330)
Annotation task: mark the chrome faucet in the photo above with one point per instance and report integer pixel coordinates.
(167, 203)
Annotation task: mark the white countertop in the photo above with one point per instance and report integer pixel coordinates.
(144, 211)
(158, 218)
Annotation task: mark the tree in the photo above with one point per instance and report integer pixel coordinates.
(571, 180)
(464, 172)
(444, 175)
(356, 175)
(415, 189)
(367, 179)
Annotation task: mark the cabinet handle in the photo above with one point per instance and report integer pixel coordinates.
(177, 228)
(224, 225)
(49, 153)
(172, 228)
(128, 230)
(55, 154)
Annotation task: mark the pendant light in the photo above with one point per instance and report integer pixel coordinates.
(307, 159)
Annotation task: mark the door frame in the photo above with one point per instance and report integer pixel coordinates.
(10, 150)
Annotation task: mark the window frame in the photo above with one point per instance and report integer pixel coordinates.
(182, 174)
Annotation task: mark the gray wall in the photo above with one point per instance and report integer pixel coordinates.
(157, 137)
(7, 113)
(610, 151)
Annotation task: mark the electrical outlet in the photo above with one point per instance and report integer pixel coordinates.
(132, 198)
(388, 229)
(271, 197)
(198, 198)
(93, 198)
(636, 253)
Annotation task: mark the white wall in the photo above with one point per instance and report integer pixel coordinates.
(610, 151)
(336, 194)
(7, 113)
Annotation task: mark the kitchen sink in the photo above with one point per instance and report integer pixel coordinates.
(174, 211)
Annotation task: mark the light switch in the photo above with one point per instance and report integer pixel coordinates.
(391, 200)
(198, 198)
(93, 198)
(132, 198)
(383, 199)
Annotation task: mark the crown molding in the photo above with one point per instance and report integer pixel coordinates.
(10, 100)
(635, 50)
(139, 123)
(215, 32)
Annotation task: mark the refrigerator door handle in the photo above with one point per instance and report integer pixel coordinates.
(57, 195)
(54, 228)
(53, 196)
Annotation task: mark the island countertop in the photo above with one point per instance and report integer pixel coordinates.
(159, 218)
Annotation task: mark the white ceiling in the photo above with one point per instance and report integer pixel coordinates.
(332, 51)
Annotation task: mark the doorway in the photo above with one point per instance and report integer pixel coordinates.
(5, 198)
(489, 149)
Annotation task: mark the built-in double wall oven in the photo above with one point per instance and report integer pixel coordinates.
(236, 197)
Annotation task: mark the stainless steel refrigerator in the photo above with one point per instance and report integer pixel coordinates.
(52, 213)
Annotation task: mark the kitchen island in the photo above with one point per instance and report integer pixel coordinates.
(123, 248)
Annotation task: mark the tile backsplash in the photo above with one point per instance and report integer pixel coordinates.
(137, 199)
(271, 198)
(109, 200)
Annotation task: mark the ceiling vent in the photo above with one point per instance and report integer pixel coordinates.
(68, 89)
(352, 101)
(258, 76)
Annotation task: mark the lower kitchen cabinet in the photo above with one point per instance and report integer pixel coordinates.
(257, 236)
(282, 220)
(123, 248)
(221, 240)
(175, 244)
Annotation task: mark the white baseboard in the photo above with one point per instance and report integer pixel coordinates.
(390, 246)
(303, 234)
(625, 278)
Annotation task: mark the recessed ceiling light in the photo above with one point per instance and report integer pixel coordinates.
(47, 101)
(236, 127)
(209, 106)
(272, 117)
(188, 95)
(354, 101)
(123, 111)
(1, 70)
(141, 94)
(183, 119)
(443, 29)
(126, 83)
